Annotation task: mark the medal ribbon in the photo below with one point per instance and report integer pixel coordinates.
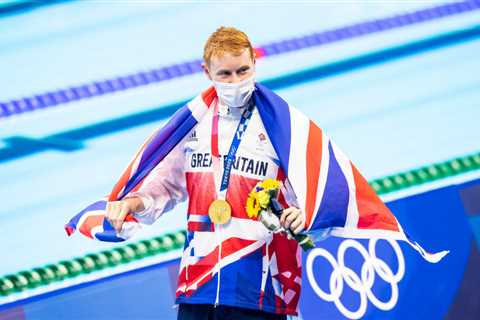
(222, 184)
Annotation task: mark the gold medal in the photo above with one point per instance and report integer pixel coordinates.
(220, 211)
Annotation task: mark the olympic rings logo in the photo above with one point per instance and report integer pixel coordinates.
(362, 284)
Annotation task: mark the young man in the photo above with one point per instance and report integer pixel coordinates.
(232, 266)
(213, 151)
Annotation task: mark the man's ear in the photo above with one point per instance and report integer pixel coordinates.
(205, 70)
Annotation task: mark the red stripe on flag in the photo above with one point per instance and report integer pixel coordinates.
(233, 245)
(201, 191)
(208, 96)
(204, 267)
(69, 230)
(313, 160)
(260, 299)
(130, 218)
(89, 223)
(201, 283)
(373, 213)
(214, 136)
(193, 226)
(237, 194)
(121, 183)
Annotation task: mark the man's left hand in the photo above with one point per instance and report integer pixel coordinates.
(292, 218)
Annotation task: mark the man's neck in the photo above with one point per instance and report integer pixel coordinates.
(226, 111)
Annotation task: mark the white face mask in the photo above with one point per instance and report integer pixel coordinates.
(235, 95)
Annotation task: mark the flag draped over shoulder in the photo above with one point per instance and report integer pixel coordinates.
(335, 198)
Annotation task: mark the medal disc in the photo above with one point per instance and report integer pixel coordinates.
(220, 211)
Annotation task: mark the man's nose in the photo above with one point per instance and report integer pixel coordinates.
(234, 78)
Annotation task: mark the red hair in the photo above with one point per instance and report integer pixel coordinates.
(226, 40)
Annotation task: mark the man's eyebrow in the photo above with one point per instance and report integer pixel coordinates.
(223, 71)
(242, 68)
(245, 67)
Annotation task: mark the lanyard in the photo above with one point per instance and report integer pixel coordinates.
(221, 185)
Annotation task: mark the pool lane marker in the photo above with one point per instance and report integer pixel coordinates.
(122, 83)
(74, 139)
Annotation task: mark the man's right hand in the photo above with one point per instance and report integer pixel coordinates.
(116, 211)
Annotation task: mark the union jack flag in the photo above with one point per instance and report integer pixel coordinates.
(335, 198)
